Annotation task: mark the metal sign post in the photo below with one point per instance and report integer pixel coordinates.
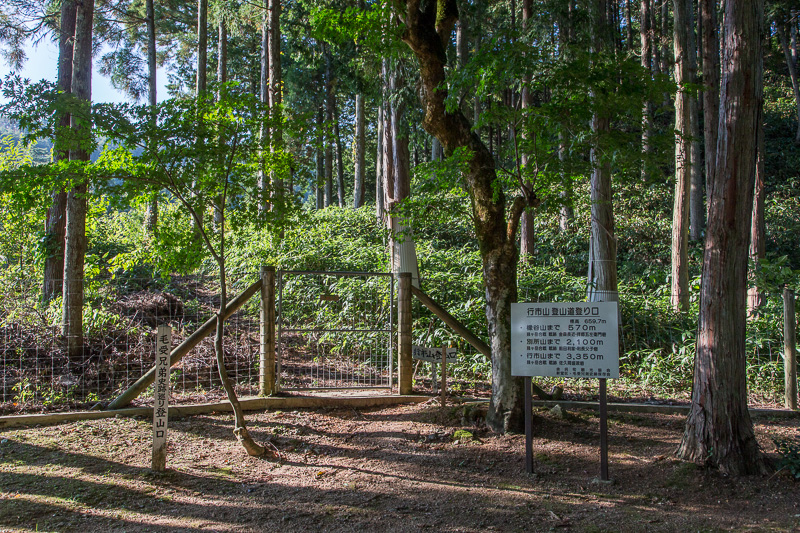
(569, 340)
(528, 425)
(603, 431)
(444, 374)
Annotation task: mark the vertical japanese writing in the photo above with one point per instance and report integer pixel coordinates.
(161, 397)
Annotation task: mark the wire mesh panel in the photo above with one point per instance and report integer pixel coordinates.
(334, 330)
(118, 346)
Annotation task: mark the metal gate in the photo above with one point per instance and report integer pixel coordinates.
(334, 330)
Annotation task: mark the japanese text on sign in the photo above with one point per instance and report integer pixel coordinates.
(433, 355)
(573, 340)
(161, 392)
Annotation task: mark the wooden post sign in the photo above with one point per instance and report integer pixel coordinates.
(434, 357)
(569, 340)
(161, 405)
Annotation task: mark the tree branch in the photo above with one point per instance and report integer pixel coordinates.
(514, 216)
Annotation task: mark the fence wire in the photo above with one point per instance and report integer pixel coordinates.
(119, 322)
(120, 317)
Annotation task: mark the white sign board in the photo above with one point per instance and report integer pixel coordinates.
(161, 392)
(433, 355)
(571, 340)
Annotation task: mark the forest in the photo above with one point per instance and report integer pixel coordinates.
(508, 151)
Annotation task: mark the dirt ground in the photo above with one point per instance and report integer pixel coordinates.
(393, 469)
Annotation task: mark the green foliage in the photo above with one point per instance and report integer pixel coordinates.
(20, 229)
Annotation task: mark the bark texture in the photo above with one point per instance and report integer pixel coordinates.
(75, 242)
(263, 97)
(320, 178)
(755, 297)
(527, 229)
(646, 38)
(358, 169)
(679, 290)
(387, 142)
(274, 93)
(719, 431)
(697, 212)
(55, 224)
(710, 53)
(151, 214)
(202, 46)
(379, 210)
(328, 122)
(428, 29)
(602, 277)
(339, 160)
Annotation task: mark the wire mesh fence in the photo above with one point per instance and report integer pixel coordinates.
(120, 317)
(119, 321)
(335, 330)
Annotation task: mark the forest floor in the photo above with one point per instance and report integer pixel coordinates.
(403, 468)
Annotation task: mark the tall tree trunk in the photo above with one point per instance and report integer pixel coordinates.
(360, 145)
(426, 32)
(527, 227)
(567, 213)
(602, 277)
(793, 35)
(791, 65)
(436, 150)
(404, 254)
(222, 77)
(655, 33)
(710, 48)
(222, 52)
(202, 46)
(329, 105)
(755, 296)
(55, 225)
(339, 161)
(719, 431)
(697, 212)
(320, 177)
(80, 123)
(665, 59)
(264, 133)
(328, 167)
(629, 23)
(275, 113)
(379, 208)
(679, 295)
(388, 144)
(201, 86)
(151, 212)
(646, 37)
(359, 170)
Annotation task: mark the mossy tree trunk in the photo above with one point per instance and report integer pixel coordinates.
(428, 29)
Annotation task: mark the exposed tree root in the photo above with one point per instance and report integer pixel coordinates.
(252, 447)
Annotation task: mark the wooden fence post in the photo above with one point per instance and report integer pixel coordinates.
(267, 383)
(161, 398)
(789, 349)
(404, 367)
